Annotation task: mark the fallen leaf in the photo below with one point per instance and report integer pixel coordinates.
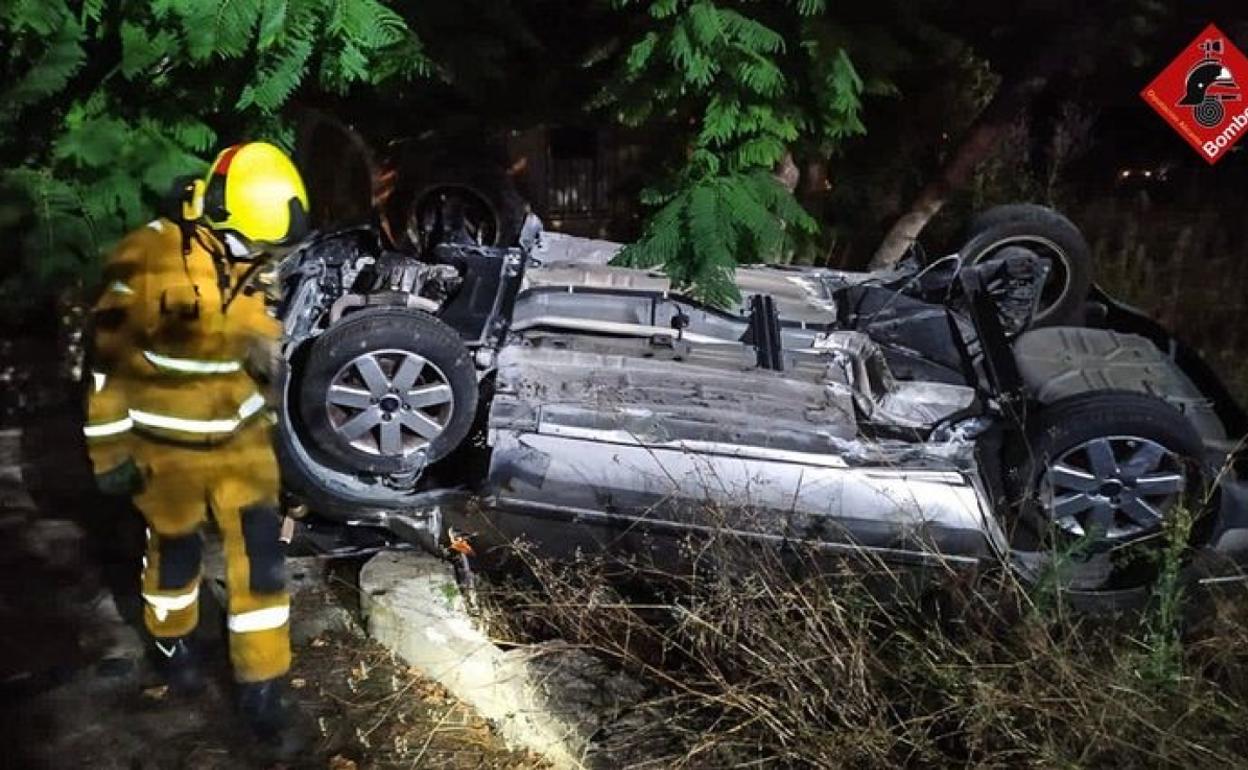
(339, 762)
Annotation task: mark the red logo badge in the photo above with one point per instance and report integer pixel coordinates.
(1200, 94)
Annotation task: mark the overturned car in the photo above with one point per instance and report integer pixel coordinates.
(989, 406)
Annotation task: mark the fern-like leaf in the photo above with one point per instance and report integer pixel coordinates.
(272, 22)
(639, 55)
(279, 76)
(765, 151)
(41, 17)
(141, 48)
(224, 28)
(92, 11)
(662, 9)
(92, 142)
(62, 58)
(194, 136)
(706, 23)
(750, 34)
(366, 23)
(844, 88)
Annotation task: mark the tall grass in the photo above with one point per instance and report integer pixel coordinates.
(757, 658)
(1185, 266)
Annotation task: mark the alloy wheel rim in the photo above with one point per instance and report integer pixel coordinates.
(389, 403)
(1115, 488)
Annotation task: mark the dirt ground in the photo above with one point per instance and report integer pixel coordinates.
(77, 691)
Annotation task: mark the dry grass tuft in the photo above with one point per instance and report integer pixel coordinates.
(374, 711)
(753, 658)
(1184, 267)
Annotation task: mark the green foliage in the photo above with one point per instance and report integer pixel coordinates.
(1163, 663)
(701, 231)
(59, 59)
(725, 74)
(104, 104)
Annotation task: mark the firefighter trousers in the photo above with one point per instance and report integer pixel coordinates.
(236, 483)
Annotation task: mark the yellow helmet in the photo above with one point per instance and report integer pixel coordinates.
(254, 197)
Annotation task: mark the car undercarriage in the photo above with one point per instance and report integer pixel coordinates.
(950, 413)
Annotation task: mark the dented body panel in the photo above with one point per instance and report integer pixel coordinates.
(629, 442)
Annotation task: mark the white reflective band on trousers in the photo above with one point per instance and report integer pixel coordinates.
(163, 605)
(108, 428)
(259, 620)
(191, 365)
(253, 404)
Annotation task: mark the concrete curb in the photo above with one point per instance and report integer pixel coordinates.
(414, 608)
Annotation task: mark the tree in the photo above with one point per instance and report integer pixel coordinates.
(106, 102)
(725, 77)
(1074, 38)
(110, 100)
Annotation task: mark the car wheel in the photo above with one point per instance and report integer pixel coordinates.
(1053, 238)
(1103, 473)
(387, 390)
(459, 203)
(345, 495)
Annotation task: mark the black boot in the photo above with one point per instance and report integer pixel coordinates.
(178, 664)
(274, 718)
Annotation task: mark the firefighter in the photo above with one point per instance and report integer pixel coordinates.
(177, 416)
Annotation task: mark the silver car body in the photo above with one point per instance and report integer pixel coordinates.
(624, 413)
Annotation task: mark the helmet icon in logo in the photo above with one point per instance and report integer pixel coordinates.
(1209, 83)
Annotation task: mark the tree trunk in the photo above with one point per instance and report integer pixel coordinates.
(981, 138)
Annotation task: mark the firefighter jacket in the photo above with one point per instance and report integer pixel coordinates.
(170, 362)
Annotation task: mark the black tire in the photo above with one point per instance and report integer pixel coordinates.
(385, 329)
(1123, 419)
(1051, 236)
(486, 183)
